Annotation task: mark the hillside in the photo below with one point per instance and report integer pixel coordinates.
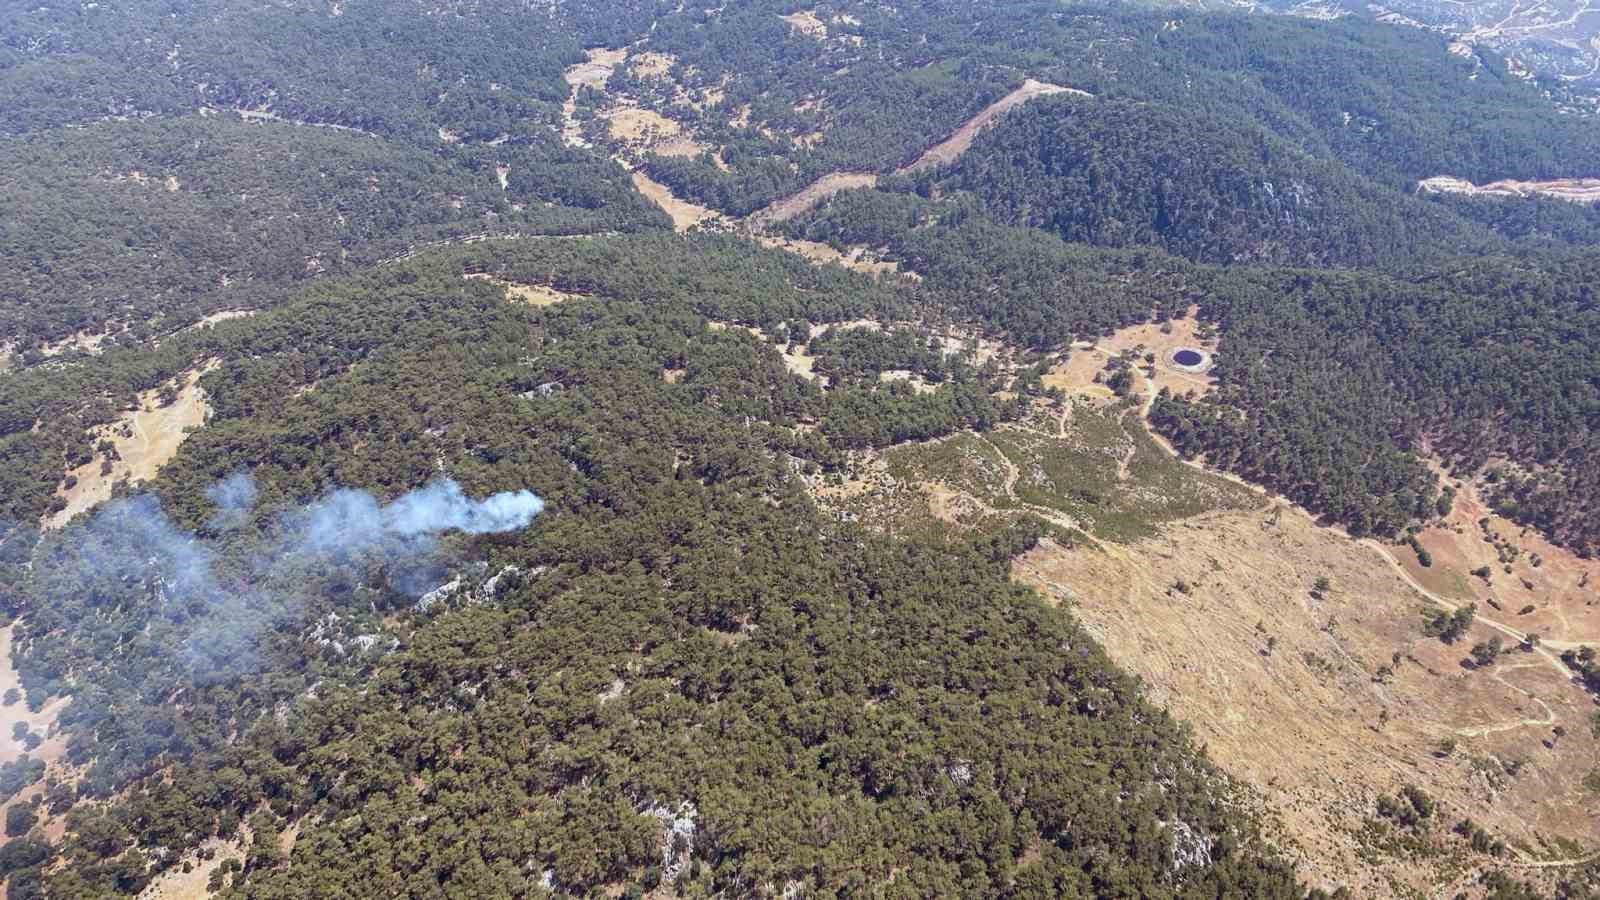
(1122, 173)
(994, 449)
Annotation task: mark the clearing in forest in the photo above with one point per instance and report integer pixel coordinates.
(806, 22)
(1077, 374)
(144, 439)
(531, 294)
(1511, 572)
(39, 722)
(644, 130)
(951, 148)
(943, 153)
(176, 884)
(1321, 696)
(793, 205)
(857, 258)
(1325, 699)
(685, 215)
(1575, 190)
(797, 358)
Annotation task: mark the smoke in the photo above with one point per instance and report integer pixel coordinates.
(222, 603)
(347, 522)
(234, 497)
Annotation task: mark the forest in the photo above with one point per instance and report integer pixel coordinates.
(683, 677)
(1333, 382)
(751, 665)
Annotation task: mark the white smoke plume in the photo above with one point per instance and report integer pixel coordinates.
(349, 521)
(222, 604)
(235, 497)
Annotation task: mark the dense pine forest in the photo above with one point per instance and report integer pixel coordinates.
(683, 678)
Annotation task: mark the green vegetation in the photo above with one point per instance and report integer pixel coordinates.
(1449, 627)
(1119, 173)
(667, 560)
(1412, 810)
(149, 225)
(687, 674)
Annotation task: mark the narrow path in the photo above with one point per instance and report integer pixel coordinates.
(1009, 489)
(1549, 719)
(1519, 636)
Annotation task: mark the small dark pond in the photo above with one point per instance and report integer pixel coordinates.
(1188, 358)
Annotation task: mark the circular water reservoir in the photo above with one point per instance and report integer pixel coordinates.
(1188, 358)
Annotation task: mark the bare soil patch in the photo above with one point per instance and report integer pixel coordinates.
(1285, 690)
(176, 884)
(796, 357)
(788, 207)
(223, 315)
(596, 71)
(1520, 570)
(593, 73)
(144, 438)
(650, 64)
(41, 722)
(641, 131)
(807, 23)
(859, 259)
(531, 294)
(85, 341)
(685, 215)
(1319, 700)
(942, 153)
(1085, 361)
(951, 148)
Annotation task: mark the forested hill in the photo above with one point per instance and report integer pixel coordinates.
(401, 496)
(828, 711)
(1120, 173)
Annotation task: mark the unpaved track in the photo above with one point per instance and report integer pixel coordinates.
(951, 148)
(1519, 636)
(1009, 488)
(1549, 719)
(942, 153)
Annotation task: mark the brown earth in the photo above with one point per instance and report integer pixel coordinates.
(650, 64)
(1084, 361)
(806, 22)
(176, 884)
(145, 439)
(88, 342)
(1283, 690)
(951, 148)
(859, 259)
(593, 73)
(1317, 702)
(796, 358)
(644, 130)
(1562, 590)
(40, 722)
(531, 294)
(596, 71)
(944, 152)
(788, 207)
(685, 215)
